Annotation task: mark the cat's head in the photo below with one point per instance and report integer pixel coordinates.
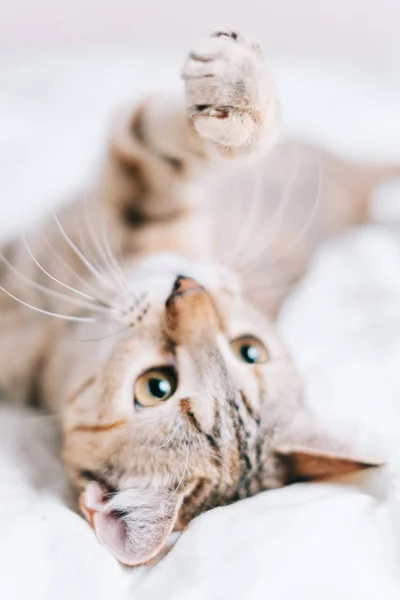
(185, 410)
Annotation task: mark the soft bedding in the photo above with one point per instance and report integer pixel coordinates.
(308, 541)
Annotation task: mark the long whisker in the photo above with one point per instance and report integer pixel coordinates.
(232, 189)
(95, 272)
(125, 316)
(184, 472)
(262, 263)
(100, 262)
(102, 254)
(113, 260)
(48, 313)
(52, 293)
(104, 337)
(301, 234)
(41, 267)
(275, 223)
(171, 437)
(103, 300)
(89, 252)
(252, 216)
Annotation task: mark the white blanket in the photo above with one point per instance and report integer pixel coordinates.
(330, 541)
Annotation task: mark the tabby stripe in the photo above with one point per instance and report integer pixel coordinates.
(209, 493)
(197, 493)
(97, 428)
(216, 430)
(197, 490)
(186, 409)
(247, 405)
(260, 439)
(212, 498)
(242, 435)
(256, 419)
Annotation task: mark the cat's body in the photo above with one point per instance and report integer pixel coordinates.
(211, 439)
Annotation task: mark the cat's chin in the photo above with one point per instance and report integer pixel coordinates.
(133, 525)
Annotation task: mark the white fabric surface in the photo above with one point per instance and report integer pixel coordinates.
(330, 541)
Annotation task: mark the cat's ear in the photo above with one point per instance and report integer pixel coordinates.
(311, 450)
(134, 524)
(310, 464)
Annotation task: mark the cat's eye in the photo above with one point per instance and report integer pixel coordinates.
(250, 349)
(155, 386)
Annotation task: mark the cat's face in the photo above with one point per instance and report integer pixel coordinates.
(180, 413)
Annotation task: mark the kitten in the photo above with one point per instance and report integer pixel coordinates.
(174, 391)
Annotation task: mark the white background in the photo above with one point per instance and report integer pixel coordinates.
(363, 31)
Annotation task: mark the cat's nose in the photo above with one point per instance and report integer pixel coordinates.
(184, 284)
(190, 311)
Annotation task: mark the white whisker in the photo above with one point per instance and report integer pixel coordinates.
(301, 234)
(253, 214)
(48, 313)
(64, 285)
(184, 472)
(233, 190)
(113, 260)
(171, 437)
(262, 263)
(275, 223)
(95, 272)
(103, 337)
(89, 253)
(102, 299)
(49, 292)
(100, 250)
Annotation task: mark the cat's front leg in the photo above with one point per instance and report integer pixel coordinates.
(160, 147)
(230, 96)
(229, 113)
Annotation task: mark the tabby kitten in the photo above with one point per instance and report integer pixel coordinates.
(174, 391)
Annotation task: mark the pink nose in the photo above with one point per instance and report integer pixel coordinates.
(190, 312)
(183, 285)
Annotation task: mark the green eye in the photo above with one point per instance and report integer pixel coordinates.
(155, 386)
(250, 350)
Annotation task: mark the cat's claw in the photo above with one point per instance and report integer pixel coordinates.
(230, 96)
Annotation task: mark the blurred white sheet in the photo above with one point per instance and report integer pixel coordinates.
(308, 541)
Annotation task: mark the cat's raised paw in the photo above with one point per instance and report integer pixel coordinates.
(230, 96)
